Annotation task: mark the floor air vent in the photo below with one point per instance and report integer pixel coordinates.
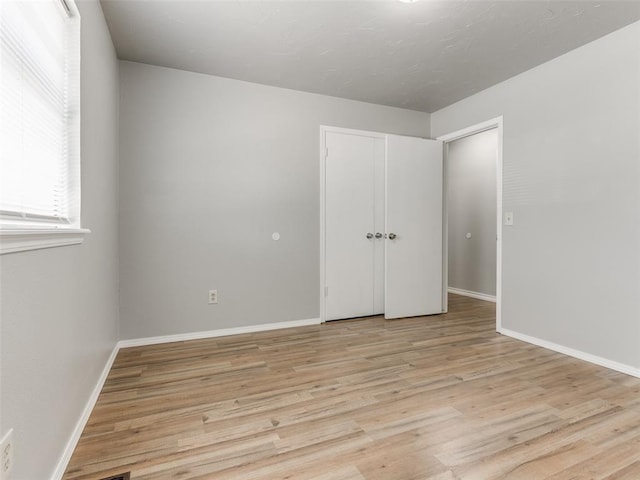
(122, 476)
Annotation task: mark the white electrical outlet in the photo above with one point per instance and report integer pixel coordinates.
(6, 449)
(213, 296)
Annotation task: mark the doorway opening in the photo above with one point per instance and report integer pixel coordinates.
(463, 236)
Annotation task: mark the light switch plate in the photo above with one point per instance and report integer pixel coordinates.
(508, 218)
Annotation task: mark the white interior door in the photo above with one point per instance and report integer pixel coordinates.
(352, 278)
(413, 248)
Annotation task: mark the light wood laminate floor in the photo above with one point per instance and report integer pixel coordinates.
(441, 397)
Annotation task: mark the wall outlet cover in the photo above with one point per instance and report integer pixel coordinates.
(213, 296)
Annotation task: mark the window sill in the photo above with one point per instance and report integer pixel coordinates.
(22, 240)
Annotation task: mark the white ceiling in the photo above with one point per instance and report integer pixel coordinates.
(422, 56)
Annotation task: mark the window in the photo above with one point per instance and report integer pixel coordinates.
(39, 124)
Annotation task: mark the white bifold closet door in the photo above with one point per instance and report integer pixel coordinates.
(383, 225)
(414, 214)
(354, 212)
(373, 180)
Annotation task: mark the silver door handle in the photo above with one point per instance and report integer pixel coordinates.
(369, 236)
(378, 235)
(392, 236)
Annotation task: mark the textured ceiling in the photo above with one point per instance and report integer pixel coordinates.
(422, 56)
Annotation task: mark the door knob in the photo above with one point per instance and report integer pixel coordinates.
(392, 236)
(378, 235)
(369, 236)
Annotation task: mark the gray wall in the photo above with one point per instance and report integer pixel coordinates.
(571, 272)
(59, 305)
(210, 168)
(471, 208)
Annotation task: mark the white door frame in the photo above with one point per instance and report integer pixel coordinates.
(450, 137)
(324, 129)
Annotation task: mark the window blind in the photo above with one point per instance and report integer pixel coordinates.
(39, 119)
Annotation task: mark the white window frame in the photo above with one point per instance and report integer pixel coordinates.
(20, 233)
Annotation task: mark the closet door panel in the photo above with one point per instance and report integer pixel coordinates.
(413, 247)
(379, 213)
(350, 216)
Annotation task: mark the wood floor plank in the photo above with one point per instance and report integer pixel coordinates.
(428, 398)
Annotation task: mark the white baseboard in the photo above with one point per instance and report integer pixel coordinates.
(587, 357)
(84, 418)
(469, 293)
(181, 337)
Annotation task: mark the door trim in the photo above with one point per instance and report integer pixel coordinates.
(450, 137)
(324, 129)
